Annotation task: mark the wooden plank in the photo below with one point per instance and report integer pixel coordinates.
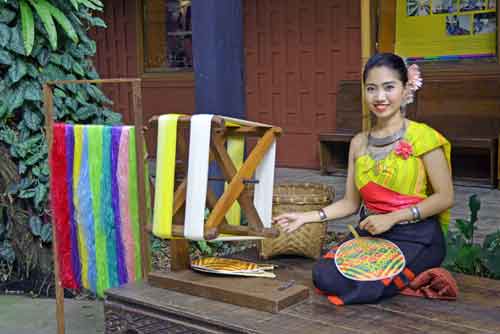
(236, 185)
(214, 315)
(259, 293)
(95, 81)
(472, 315)
(369, 319)
(225, 228)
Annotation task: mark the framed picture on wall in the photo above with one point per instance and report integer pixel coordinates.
(418, 7)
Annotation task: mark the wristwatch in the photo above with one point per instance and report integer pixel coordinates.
(322, 215)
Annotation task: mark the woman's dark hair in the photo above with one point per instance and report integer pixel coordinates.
(390, 60)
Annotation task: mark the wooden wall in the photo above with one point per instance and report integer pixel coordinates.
(296, 53)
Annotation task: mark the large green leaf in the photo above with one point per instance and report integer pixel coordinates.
(91, 4)
(72, 104)
(32, 119)
(52, 72)
(3, 110)
(18, 70)
(33, 71)
(15, 98)
(28, 26)
(4, 35)
(7, 252)
(33, 91)
(43, 57)
(474, 206)
(27, 193)
(7, 15)
(42, 8)
(46, 234)
(74, 3)
(97, 22)
(63, 22)
(36, 157)
(5, 57)
(36, 225)
(7, 135)
(97, 3)
(16, 43)
(468, 259)
(40, 192)
(86, 112)
(466, 228)
(112, 117)
(78, 69)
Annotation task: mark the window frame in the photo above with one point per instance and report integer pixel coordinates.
(175, 74)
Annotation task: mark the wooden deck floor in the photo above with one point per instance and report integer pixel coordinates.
(156, 310)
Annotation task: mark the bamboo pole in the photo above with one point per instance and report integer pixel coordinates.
(366, 51)
(49, 112)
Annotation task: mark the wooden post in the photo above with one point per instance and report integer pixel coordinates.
(367, 47)
(49, 114)
(141, 181)
(386, 26)
(498, 31)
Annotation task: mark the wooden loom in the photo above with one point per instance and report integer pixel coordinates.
(259, 293)
(236, 179)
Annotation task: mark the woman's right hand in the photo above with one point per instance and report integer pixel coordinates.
(290, 222)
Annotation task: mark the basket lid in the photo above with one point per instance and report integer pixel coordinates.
(303, 193)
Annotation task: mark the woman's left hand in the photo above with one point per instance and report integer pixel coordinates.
(376, 224)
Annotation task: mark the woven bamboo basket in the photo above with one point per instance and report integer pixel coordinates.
(308, 240)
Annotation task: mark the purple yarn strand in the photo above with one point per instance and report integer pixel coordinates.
(120, 252)
(75, 256)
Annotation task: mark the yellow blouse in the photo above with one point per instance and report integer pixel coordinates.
(405, 175)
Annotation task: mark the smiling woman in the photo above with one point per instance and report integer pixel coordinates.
(398, 174)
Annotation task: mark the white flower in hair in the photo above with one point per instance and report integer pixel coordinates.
(414, 83)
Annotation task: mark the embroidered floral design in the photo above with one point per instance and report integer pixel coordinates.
(414, 83)
(403, 149)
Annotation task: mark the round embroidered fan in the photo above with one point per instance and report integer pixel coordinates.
(369, 259)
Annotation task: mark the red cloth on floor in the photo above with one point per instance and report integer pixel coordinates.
(435, 283)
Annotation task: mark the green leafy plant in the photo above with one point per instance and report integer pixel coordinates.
(40, 40)
(466, 256)
(49, 15)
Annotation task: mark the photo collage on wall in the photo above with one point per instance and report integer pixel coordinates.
(463, 17)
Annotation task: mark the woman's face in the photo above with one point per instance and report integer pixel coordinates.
(384, 92)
